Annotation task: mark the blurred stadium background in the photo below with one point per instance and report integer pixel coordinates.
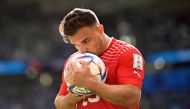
(32, 52)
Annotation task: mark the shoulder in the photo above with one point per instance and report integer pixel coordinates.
(127, 53)
(130, 56)
(120, 51)
(122, 48)
(117, 48)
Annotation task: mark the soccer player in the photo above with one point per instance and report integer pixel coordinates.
(125, 64)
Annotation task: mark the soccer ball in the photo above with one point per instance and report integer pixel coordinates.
(97, 68)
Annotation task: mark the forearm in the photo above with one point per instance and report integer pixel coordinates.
(125, 95)
(62, 103)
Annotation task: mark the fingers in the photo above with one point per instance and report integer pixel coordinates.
(71, 70)
(84, 63)
(78, 96)
(76, 73)
(75, 98)
(67, 75)
(74, 67)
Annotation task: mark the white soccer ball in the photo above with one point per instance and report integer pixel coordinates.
(97, 68)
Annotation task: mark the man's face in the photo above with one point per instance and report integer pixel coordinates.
(88, 39)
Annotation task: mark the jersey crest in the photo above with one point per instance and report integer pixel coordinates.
(137, 61)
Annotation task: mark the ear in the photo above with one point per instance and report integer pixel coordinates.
(100, 28)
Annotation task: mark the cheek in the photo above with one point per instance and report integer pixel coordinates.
(94, 47)
(98, 46)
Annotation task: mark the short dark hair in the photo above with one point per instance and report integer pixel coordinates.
(76, 19)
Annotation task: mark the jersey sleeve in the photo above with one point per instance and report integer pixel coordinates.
(131, 68)
(63, 87)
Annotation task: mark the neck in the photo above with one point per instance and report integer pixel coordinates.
(107, 42)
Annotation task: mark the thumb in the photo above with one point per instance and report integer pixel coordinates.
(82, 62)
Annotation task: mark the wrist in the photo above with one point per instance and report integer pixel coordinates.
(69, 100)
(92, 85)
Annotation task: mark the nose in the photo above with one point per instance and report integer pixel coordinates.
(82, 49)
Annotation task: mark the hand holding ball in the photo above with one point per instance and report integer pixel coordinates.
(96, 66)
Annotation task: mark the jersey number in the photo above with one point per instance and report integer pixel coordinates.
(91, 100)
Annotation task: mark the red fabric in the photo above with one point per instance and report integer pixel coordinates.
(119, 60)
(63, 87)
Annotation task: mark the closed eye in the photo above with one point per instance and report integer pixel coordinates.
(85, 41)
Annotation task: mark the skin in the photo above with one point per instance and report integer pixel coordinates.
(94, 40)
(90, 39)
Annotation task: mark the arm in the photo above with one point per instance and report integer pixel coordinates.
(125, 95)
(68, 101)
(61, 103)
(130, 74)
(65, 99)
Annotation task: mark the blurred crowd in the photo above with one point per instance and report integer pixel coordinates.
(157, 32)
(29, 35)
(34, 36)
(26, 94)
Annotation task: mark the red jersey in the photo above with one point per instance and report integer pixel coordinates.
(125, 65)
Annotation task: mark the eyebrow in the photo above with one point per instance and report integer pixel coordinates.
(85, 40)
(81, 41)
